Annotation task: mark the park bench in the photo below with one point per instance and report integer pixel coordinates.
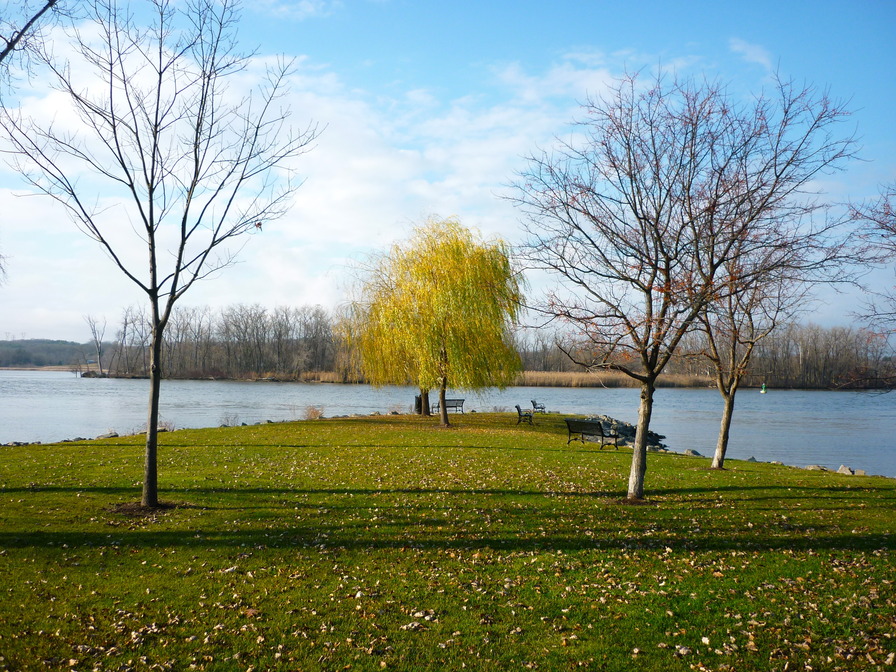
(590, 428)
(450, 405)
(523, 416)
(537, 408)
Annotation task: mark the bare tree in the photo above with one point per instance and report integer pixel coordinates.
(97, 333)
(194, 165)
(733, 326)
(638, 215)
(132, 343)
(767, 284)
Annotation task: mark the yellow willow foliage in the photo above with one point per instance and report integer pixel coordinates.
(437, 311)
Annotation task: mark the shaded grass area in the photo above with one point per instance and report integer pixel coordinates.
(388, 543)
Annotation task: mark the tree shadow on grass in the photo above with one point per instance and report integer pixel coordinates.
(775, 492)
(591, 447)
(409, 536)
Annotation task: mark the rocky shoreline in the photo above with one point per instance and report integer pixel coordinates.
(626, 432)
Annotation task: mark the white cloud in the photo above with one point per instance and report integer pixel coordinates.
(297, 9)
(752, 53)
(570, 80)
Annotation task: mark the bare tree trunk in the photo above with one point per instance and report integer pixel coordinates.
(150, 469)
(718, 460)
(639, 452)
(443, 407)
(443, 386)
(97, 333)
(424, 403)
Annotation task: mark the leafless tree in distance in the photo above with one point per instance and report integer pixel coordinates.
(97, 334)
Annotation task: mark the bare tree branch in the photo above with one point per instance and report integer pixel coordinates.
(879, 236)
(15, 35)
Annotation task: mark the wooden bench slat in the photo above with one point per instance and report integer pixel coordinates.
(593, 428)
(450, 404)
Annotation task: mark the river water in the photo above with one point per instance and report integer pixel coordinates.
(797, 427)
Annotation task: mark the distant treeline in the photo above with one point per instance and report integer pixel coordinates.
(41, 352)
(801, 356)
(237, 342)
(288, 343)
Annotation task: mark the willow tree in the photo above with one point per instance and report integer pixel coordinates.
(437, 312)
(668, 183)
(157, 153)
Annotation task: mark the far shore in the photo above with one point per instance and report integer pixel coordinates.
(608, 379)
(525, 379)
(41, 368)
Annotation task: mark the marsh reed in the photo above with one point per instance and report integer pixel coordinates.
(548, 379)
(604, 379)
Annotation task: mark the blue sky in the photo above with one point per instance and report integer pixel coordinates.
(429, 108)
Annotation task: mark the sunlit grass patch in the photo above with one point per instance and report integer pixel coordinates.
(390, 543)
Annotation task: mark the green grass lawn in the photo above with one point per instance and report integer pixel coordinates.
(389, 543)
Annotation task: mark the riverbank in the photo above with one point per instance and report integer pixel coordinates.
(389, 543)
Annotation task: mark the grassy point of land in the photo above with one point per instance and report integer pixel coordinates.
(388, 543)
